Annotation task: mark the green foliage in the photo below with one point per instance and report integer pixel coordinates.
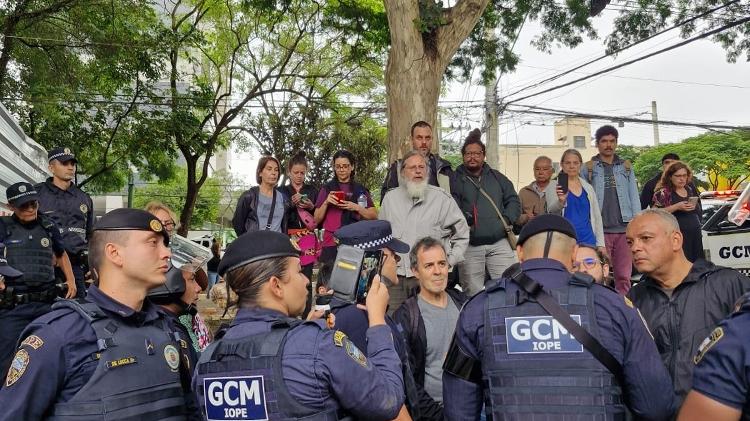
(654, 15)
(711, 156)
(170, 191)
(454, 158)
(320, 133)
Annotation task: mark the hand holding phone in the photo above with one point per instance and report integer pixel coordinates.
(562, 181)
(693, 200)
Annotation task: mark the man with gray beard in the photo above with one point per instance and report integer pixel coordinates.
(417, 209)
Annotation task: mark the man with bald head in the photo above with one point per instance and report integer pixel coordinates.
(681, 301)
(534, 368)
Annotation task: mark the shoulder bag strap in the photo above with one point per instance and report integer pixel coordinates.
(508, 230)
(273, 207)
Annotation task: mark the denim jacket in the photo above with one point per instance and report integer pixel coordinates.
(627, 189)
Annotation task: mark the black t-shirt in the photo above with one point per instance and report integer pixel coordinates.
(213, 264)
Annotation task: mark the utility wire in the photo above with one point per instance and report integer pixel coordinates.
(531, 109)
(559, 75)
(629, 62)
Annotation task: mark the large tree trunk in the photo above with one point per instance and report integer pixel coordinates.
(417, 62)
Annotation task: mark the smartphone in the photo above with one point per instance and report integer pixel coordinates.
(693, 200)
(303, 196)
(562, 181)
(353, 272)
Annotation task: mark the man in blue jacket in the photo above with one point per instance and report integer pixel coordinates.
(616, 190)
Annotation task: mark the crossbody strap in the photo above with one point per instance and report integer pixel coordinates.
(492, 202)
(273, 207)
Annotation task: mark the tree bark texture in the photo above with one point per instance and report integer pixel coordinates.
(416, 64)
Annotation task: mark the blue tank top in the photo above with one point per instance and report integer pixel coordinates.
(578, 212)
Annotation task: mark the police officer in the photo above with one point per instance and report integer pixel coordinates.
(112, 355)
(70, 208)
(535, 367)
(352, 319)
(270, 365)
(33, 246)
(178, 297)
(721, 384)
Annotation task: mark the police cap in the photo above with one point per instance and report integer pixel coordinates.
(21, 193)
(125, 219)
(61, 154)
(254, 246)
(544, 223)
(370, 236)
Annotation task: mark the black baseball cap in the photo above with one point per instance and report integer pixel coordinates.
(544, 223)
(254, 246)
(370, 235)
(61, 154)
(21, 193)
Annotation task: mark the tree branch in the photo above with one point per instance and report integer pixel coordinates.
(460, 21)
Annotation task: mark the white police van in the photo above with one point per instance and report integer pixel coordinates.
(726, 230)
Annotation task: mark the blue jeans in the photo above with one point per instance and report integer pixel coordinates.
(213, 277)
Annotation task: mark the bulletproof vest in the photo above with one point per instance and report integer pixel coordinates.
(535, 369)
(30, 251)
(137, 375)
(241, 378)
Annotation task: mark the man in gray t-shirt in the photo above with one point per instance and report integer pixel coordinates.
(428, 320)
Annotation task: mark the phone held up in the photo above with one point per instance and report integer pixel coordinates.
(353, 272)
(562, 181)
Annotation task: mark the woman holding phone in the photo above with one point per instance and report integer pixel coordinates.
(341, 201)
(575, 199)
(678, 196)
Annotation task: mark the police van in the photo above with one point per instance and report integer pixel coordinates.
(726, 230)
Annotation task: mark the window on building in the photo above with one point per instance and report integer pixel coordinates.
(579, 142)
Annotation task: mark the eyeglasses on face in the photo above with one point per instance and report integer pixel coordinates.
(168, 224)
(29, 205)
(479, 153)
(586, 262)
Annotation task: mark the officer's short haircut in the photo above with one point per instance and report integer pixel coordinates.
(246, 281)
(403, 165)
(667, 219)
(99, 240)
(419, 124)
(422, 244)
(560, 241)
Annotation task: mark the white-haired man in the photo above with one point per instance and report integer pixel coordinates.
(417, 209)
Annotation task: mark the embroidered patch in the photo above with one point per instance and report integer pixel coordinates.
(338, 338)
(708, 343)
(121, 362)
(354, 352)
(45, 242)
(17, 367)
(172, 357)
(84, 208)
(540, 335)
(67, 151)
(33, 341)
(628, 302)
(235, 398)
(22, 189)
(155, 225)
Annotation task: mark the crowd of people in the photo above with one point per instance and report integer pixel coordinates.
(487, 303)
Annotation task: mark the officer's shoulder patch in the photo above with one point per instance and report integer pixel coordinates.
(33, 341)
(628, 302)
(354, 353)
(17, 367)
(708, 343)
(84, 208)
(338, 338)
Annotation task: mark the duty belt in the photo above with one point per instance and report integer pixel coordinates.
(9, 299)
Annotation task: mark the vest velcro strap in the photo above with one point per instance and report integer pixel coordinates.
(104, 343)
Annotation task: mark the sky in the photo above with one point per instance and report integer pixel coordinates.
(693, 83)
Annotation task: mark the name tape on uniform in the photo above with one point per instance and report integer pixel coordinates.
(235, 398)
(540, 335)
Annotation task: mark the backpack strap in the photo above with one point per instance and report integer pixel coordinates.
(589, 170)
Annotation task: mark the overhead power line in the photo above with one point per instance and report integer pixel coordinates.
(675, 26)
(532, 109)
(629, 62)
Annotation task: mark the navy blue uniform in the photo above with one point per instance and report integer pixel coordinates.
(622, 332)
(723, 362)
(14, 320)
(58, 357)
(73, 212)
(323, 372)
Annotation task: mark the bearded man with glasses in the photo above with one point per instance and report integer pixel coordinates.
(590, 260)
(33, 245)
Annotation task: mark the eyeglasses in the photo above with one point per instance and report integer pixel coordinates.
(587, 262)
(168, 224)
(342, 167)
(29, 205)
(480, 153)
